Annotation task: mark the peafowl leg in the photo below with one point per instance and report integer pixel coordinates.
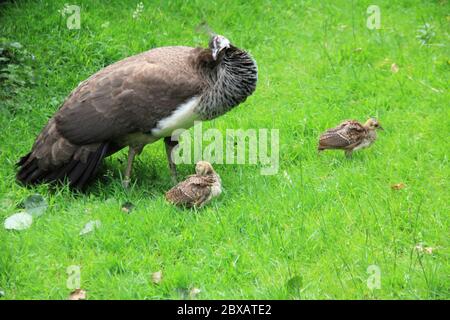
(127, 178)
(170, 145)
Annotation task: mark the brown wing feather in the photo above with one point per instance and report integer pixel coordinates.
(193, 191)
(129, 96)
(347, 134)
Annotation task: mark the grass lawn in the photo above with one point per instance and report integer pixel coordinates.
(309, 232)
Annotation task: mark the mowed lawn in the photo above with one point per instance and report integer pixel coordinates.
(313, 230)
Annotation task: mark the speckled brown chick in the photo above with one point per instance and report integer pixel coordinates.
(198, 189)
(350, 136)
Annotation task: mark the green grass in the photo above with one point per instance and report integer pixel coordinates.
(318, 64)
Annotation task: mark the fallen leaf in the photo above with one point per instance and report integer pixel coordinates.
(77, 294)
(421, 249)
(157, 277)
(19, 221)
(35, 205)
(90, 226)
(127, 207)
(394, 68)
(398, 186)
(194, 292)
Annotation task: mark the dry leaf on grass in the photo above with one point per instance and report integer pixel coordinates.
(428, 250)
(77, 294)
(398, 186)
(421, 249)
(194, 292)
(394, 68)
(157, 277)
